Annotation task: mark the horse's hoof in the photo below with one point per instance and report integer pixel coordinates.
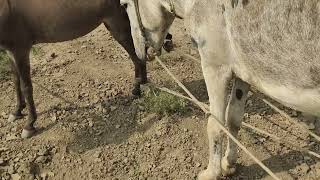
(144, 81)
(208, 175)
(27, 133)
(136, 92)
(168, 46)
(227, 169)
(13, 118)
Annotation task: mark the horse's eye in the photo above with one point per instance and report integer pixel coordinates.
(125, 5)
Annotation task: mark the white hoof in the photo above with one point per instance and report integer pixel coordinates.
(208, 175)
(13, 118)
(27, 133)
(227, 169)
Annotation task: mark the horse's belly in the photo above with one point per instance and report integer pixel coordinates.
(64, 33)
(305, 100)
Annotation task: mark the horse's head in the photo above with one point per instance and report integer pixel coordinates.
(150, 21)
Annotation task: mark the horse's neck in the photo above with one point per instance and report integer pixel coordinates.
(182, 7)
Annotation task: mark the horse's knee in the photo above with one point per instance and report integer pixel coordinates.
(213, 127)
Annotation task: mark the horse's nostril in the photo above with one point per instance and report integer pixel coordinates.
(151, 53)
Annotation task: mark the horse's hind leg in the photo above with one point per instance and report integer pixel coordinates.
(123, 36)
(21, 104)
(234, 116)
(217, 77)
(22, 63)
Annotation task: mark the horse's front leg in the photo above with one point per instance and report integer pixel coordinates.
(22, 62)
(140, 69)
(119, 27)
(20, 104)
(216, 65)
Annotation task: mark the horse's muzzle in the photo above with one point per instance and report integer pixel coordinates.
(152, 53)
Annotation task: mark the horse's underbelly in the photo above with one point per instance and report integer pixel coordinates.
(65, 32)
(305, 100)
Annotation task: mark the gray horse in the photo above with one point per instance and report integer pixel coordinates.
(28, 22)
(270, 44)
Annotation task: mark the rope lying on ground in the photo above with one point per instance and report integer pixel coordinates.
(218, 122)
(260, 131)
(291, 120)
(277, 139)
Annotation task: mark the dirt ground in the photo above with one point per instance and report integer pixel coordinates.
(92, 128)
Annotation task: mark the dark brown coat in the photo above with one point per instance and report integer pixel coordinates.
(24, 23)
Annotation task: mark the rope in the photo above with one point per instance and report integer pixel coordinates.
(291, 120)
(275, 138)
(224, 129)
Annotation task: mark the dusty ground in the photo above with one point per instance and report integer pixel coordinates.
(92, 128)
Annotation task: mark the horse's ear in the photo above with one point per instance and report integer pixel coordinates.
(123, 2)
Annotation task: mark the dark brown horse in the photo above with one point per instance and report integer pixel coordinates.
(24, 23)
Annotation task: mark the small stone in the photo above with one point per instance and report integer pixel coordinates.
(15, 176)
(98, 160)
(99, 133)
(53, 55)
(97, 154)
(2, 162)
(90, 124)
(198, 164)
(11, 137)
(54, 118)
(118, 126)
(303, 168)
(41, 159)
(45, 175)
(11, 169)
(311, 126)
(262, 139)
(83, 47)
(249, 102)
(113, 108)
(50, 174)
(193, 52)
(125, 160)
(3, 149)
(306, 158)
(294, 113)
(4, 115)
(43, 151)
